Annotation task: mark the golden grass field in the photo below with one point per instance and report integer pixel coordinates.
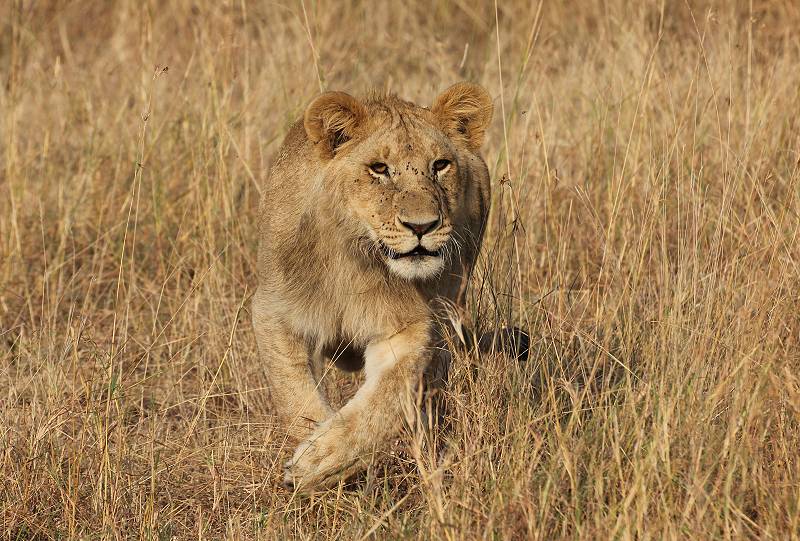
(645, 229)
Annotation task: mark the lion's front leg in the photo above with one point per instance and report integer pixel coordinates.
(295, 393)
(344, 443)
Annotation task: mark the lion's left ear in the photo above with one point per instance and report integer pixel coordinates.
(464, 112)
(332, 119)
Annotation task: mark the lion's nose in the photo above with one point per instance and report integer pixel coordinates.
(420, 228)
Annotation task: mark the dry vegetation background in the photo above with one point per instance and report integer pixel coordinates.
(645, 158)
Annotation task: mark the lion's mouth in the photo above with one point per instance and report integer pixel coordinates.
(419, 251)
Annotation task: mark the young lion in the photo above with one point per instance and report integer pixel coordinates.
(371, 221)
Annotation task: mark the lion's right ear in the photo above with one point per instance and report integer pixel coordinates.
(333, 119)
(464, 112)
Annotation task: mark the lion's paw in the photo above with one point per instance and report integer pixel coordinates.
(319, 462)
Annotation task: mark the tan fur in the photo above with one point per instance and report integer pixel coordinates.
(327, 278)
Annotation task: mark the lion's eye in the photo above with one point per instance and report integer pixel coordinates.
(440, 165)
(379, 168)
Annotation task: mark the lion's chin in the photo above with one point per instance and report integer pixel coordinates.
(416, 267)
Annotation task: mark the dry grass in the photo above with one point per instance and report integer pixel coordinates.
(646, 230)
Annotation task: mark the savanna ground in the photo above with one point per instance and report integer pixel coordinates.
(645, 230)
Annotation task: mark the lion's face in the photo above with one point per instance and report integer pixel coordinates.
(401, 184)
(396, 172)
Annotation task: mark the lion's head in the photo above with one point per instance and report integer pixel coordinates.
(396, 172)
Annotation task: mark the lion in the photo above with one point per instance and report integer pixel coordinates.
(370, 225)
